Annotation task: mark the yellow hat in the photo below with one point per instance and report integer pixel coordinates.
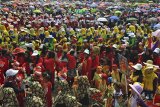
(2, 27)
(46, 33)
(92, 29)
(54, 40)
(32, 32)
(116, 29)
(7, 39)
(64, 39)
(132, 28)
(72, 32)
(41, 30)
(54, 29)
(50, 28)
(5, 32)
(83, 31)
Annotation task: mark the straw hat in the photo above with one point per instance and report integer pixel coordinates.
(150, 63)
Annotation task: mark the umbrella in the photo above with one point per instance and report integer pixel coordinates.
(78, 2)
(118, 12)
(93, 5)
(156, 33)
(37, 11)
(157, 26)
(132, 19)
(18, 50)
(102, 19)
(114, 18)
(5, 9)
(153, 19)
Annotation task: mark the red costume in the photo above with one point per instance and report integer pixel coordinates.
(156, 61)
(49, 65)
(86, 67)
(48, 89)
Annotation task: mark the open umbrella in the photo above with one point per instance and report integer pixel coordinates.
(102, 19)
(18, 50)
(152, 19)
(114, 18)
(93, 5)
(37, 11)
(156, 33)
(118, 12)
(5, 9)
(78, 2)
(132, 19)
(157, 26)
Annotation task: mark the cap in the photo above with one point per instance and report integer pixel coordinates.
(86, 51)
(11, 72)
(35, 53)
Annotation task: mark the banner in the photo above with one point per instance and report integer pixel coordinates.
(123, 64)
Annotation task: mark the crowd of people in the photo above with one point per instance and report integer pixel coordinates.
(79, 54)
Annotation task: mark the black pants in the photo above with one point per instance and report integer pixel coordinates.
(85, 100)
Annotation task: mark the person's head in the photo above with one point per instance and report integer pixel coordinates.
(51, 54)
(72, 52)
(106, 68)
(11, 74)
(15, 64)
(117, 86)
(149, 70)
(86, 53)
(99, 68)
(114, 67)
(46, 76)
(137, 67)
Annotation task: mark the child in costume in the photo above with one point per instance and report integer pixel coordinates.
(100, 79)
(150, 81)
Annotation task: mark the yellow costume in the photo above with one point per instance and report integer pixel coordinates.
(149, 77)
